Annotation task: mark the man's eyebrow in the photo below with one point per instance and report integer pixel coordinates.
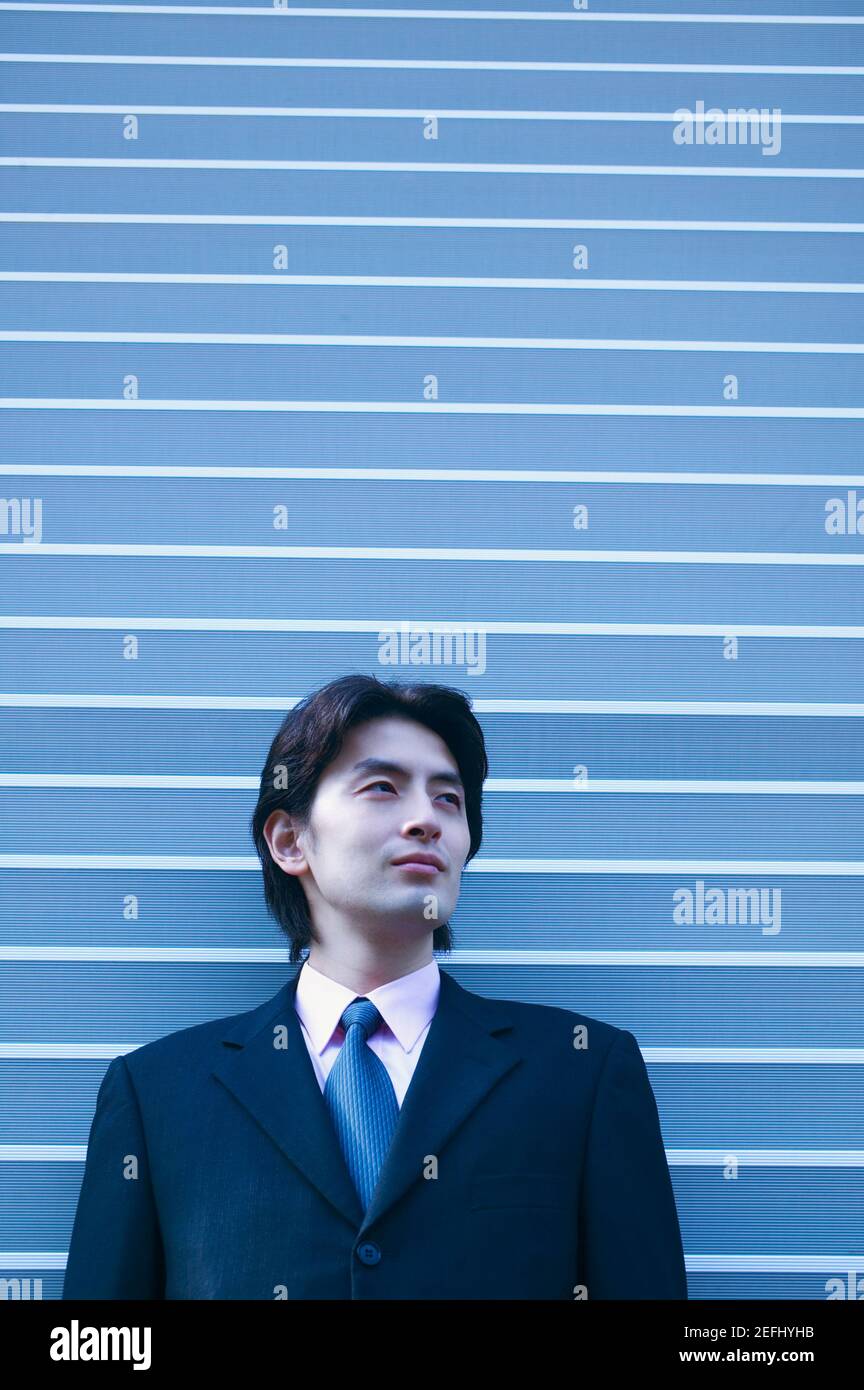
(395, 769)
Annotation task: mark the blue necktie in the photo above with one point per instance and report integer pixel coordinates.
(361, 1099)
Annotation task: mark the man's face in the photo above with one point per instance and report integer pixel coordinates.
(365, 817)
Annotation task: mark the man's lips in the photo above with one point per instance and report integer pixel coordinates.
(424, 863)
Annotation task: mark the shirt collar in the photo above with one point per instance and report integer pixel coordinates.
(406, 1005)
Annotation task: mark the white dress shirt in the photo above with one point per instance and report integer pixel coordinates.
(407, 1007)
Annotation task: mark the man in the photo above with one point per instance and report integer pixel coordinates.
(375, 1130)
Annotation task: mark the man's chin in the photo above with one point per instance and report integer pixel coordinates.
(410, 912)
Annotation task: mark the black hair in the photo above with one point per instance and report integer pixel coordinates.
(310, 738)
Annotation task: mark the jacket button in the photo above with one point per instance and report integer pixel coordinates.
(369, 1253)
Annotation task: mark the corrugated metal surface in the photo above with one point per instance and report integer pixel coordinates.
(214, 319)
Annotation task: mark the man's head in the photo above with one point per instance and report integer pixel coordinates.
(330, 820)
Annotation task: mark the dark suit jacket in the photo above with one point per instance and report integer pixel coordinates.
(521, 1167)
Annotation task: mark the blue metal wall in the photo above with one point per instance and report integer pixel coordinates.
(275, 383)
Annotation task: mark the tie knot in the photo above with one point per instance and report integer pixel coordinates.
(361, 1011)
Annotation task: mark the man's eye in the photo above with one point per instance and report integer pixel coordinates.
(456, 800)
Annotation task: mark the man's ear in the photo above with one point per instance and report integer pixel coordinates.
(282, 836)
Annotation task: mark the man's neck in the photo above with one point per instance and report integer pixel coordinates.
(362, 976)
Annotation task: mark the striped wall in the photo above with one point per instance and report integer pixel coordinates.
(326, 331)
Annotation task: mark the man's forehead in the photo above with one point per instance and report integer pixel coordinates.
(373, 747)
(394, 769)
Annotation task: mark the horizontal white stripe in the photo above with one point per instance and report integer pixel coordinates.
(43, 1153)
(278, 955)
(666, 786)
(77, 1051)
(332, 12)
(728, 412)
(843, 867)
(836, 1265)
(770, 708)
(32, 1259)
(427, 553)
(300, 220)
(369, 340)
(407, 113)
(434, 64)
(414, 167)
(768, 1056)
(766, 1158)
(463, 475)
(189, 955)
(677, 1158)
(169, 624)
(610, 785)
(427, 167)
(135, 277)
(241, 863)
(682, 1056)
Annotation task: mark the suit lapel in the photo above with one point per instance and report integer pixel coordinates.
(266, 1066)
(466, 1052)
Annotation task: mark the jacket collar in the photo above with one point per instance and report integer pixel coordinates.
(265, 1065)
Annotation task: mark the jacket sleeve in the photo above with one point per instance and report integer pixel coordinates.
(116, 1249)
(629, 1237)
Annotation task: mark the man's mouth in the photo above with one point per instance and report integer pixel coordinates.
(421, 861)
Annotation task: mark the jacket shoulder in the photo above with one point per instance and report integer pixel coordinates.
(186, 1045)
(548, 1020)
(551, 1018)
